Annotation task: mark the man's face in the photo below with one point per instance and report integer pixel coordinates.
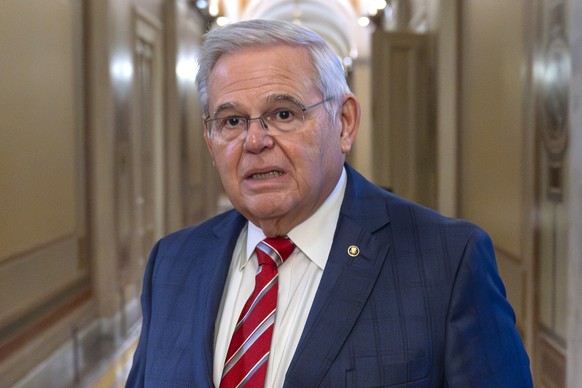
(276, 180)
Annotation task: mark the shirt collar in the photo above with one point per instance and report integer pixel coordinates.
(314, 236)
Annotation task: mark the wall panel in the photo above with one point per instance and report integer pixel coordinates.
(403, 134)
(44, 272)
(495, 184)
(40, 158)
(491, 129)
(38, 133)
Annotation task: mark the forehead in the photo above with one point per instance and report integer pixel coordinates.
(254, 73)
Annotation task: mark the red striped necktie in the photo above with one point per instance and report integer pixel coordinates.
(248, 352)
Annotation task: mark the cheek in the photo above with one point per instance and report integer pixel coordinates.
(227, 170)
(326, 148)
(226, 160)
(311, 166)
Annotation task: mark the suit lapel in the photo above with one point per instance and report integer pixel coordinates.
(217, 254)
(355, 260)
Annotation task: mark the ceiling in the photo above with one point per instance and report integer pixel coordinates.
(335, 20)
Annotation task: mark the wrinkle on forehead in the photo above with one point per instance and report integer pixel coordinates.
(260, 77)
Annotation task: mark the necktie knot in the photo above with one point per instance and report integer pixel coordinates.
(276, 250)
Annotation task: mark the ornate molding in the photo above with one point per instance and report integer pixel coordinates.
(554, 78)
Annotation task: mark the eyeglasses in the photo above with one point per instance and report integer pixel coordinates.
(286, 116)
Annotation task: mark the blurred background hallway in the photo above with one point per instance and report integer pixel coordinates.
(471, 107)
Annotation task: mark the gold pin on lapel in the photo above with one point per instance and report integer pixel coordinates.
(353, 251)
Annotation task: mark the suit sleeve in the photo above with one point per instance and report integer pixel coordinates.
(137, 373)
(483, 347)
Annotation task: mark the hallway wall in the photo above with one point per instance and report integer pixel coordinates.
(101, 153)
(44, 263)
(493, 175)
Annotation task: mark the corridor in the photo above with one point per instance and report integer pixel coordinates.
(470, 107)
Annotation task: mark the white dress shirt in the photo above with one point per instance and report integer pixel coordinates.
(299, 279)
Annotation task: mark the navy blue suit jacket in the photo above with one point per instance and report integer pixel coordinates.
(422, 305)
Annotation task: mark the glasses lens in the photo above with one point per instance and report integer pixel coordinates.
(228, 127)
(285, 117)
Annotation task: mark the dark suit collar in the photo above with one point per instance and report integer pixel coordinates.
(218, 249)
(355, 260)
(231, 224)
(361, 202)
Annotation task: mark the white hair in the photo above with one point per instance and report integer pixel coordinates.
(328, 72)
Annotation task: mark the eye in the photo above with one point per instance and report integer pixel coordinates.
(283, 115)
(232, 122)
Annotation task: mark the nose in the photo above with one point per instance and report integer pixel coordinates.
(261, 121)
(258, 137)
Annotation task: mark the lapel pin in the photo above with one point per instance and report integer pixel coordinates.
(353, 251)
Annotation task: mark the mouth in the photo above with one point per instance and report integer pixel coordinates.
(266, 175)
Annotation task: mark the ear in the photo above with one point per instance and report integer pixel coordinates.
(350, 119)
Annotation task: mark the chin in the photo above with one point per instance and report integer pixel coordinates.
(266, 210)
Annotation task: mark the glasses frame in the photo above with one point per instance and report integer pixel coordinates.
(264, 125)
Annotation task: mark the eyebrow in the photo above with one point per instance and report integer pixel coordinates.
(270, 98)
(225, 106)
(283, 97)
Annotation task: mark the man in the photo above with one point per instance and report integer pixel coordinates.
(376, 291)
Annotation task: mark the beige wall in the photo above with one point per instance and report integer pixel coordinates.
(361, 156)
(494, 188)
(41, 170)
(492, 128)
(87, 183)
(38, 149)
(43, 257)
